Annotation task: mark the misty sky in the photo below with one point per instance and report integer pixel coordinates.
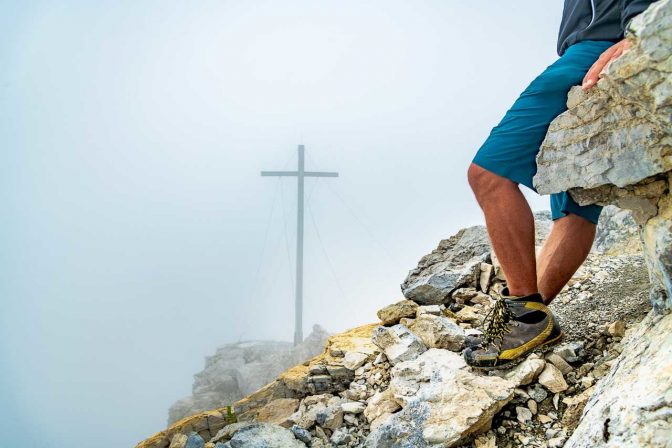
(137, 234)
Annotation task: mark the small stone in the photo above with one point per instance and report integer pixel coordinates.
(532, 406)
(487, 440)
(587, 381)
(537, 393)
(398, 343)
(525, 372)
(195, 441)
(468, 314)
(353, 407)
(487, 270)
(379, 359)
(381, 403)
(575, 406)
(523, 415)
(617, 329)
(428, 309)
(391, 314)
(571, 352)
(544, 418)
(438, 332)
(301, 434)
(341, 437)
(521, 393)
(354, 360)
(559, 362)
(556, 400)
(551, 378)
(584, 295)
(178, 441)
(556, 442)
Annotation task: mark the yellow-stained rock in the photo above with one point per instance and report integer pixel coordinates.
(293, 384)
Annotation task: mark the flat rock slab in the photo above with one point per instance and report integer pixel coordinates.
(443, 402)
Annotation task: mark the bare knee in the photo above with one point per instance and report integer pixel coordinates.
(485, 183)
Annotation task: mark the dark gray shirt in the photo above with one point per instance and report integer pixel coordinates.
(596, 20)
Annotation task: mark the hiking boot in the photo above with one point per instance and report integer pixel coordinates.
(475, 340)
(514, 328)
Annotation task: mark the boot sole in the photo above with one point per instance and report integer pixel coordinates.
(539, 349)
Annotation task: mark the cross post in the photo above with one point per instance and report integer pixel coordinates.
(300, 175)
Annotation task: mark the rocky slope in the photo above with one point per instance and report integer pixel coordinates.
(403, 383)
(237, 370)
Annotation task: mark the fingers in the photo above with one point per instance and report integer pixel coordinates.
(598, 68)
(594, 73)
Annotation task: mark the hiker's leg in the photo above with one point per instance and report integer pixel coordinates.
(567, 245)
(507, 159)
(510, 225)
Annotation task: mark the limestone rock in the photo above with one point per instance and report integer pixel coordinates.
(616, 328)
(443, 403)
(456, 262)
(617, 133)
(559, 362)
(486, 441)
(381, 403)
(551, 378)
(525, 372)
(617, 232)
(438, 332)
(354, 360)
(575, 406)
(398, 343)
(264, 435)
(353, 407)
(429, 309)
(301, 434)
(571, 352)
(523, 415)
(237, 370)
(278, 411)
(613, 144)
(179, 441)
(487, 272)
(392, 314)
(632, 404)
(468, 314)
(194, 441)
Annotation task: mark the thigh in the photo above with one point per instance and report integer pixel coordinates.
(512, 146)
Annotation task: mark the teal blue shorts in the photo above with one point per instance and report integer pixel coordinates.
(512, 146)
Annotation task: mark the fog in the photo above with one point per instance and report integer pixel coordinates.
(137, 233)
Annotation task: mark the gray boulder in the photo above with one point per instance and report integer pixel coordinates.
(264, 435)
(456, 262)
